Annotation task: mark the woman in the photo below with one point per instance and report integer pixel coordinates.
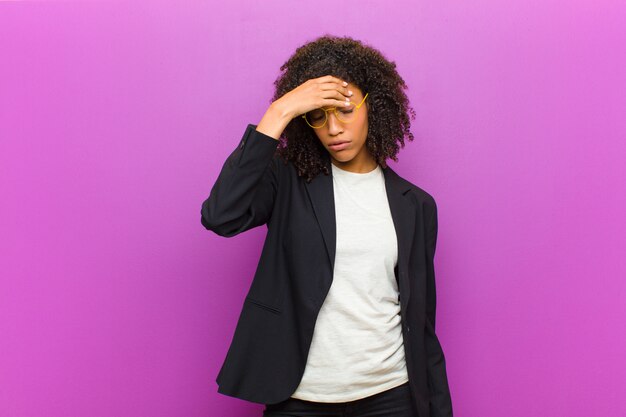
(340, 316)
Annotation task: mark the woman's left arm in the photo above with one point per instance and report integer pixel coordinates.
(440, 400)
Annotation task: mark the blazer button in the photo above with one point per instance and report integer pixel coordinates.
(407, 329)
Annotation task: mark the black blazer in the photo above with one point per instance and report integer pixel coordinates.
(268, 352)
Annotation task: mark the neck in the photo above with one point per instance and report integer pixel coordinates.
(355, 165)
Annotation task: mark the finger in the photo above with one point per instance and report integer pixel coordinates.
(333, 102)
(334, 86)
(341, 103)
(334, 94)
(333, 79)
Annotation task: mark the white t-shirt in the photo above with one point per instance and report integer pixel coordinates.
(357, 348)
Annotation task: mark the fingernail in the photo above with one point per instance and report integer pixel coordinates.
(345, 83)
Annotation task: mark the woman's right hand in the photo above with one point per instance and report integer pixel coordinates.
(325, 91)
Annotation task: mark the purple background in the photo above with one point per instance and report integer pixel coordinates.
(115, 119)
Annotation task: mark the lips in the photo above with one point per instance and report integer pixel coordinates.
(338, 145)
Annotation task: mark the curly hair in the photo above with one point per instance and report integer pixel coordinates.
(361, 65)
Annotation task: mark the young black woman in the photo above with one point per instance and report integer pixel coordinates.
(340, 316)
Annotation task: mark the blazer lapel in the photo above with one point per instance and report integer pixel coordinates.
(322, 197)
(403, 214)
(321, 194)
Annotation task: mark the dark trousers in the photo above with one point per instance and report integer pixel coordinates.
(394, 402)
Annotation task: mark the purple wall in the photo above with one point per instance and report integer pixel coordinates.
(115, 119)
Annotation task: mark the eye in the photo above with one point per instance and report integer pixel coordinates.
(316, 114)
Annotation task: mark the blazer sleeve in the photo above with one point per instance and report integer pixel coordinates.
(244, 192)
(440, 400)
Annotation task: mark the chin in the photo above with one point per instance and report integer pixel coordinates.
(343, 158)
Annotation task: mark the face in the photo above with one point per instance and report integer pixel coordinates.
(353, 153)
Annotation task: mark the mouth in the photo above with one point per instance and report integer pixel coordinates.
(338, 145)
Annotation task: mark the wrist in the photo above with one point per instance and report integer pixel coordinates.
(281, 113)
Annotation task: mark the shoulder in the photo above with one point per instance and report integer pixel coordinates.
(422, 198)
(419, 193)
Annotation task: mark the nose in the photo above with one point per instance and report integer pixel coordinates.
(334, 126)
